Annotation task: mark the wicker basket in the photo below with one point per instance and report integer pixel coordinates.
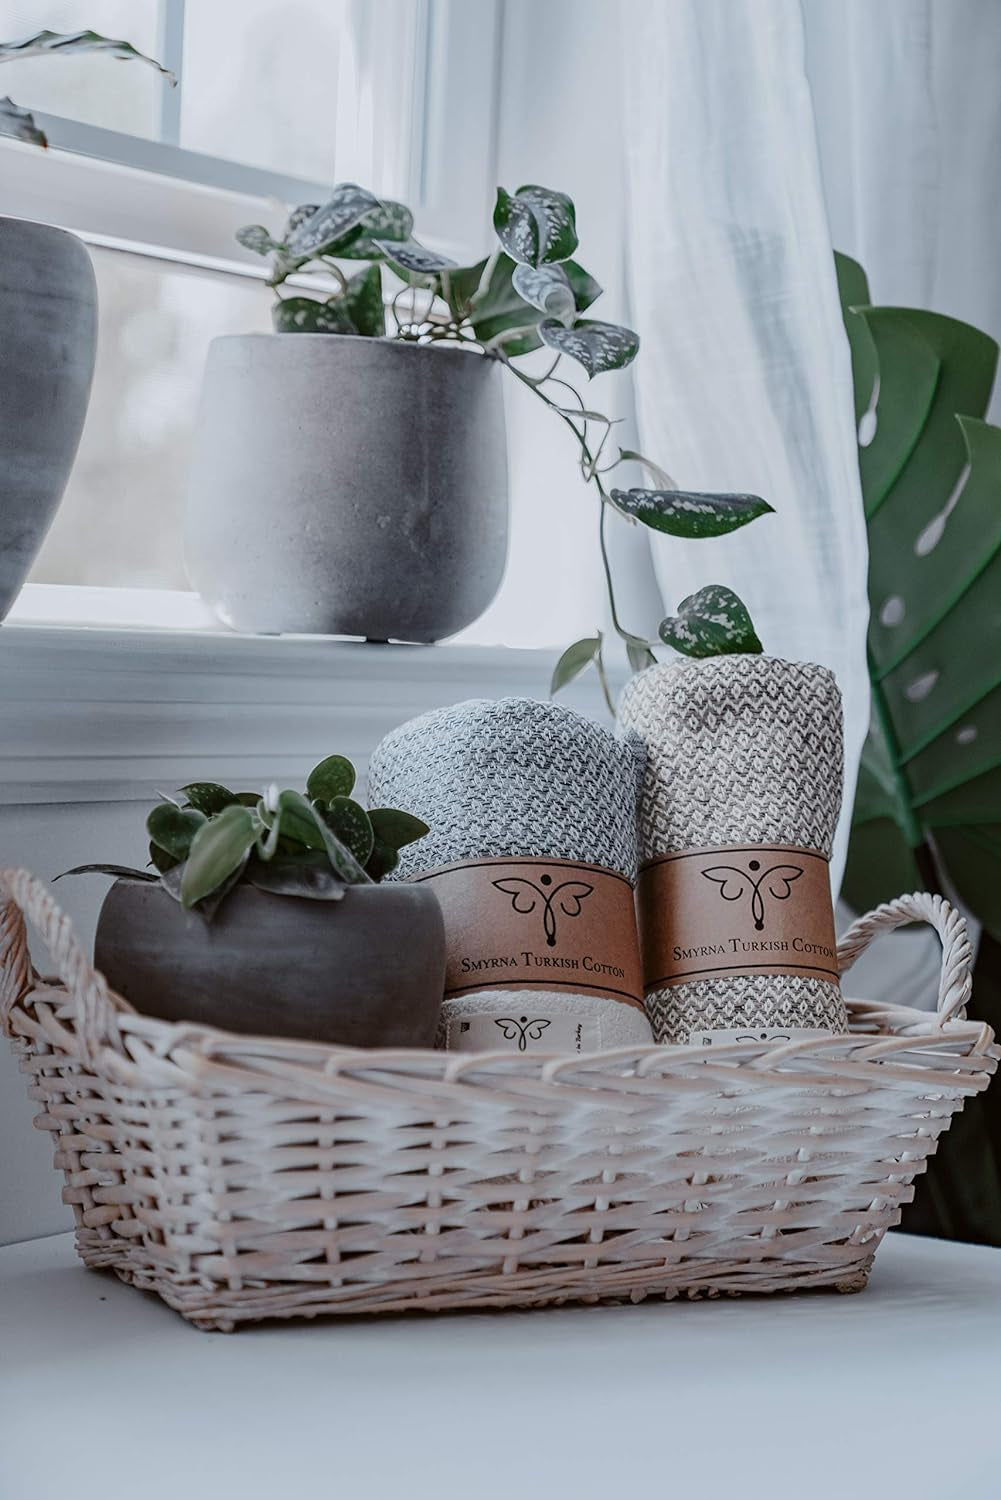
(245, 1178)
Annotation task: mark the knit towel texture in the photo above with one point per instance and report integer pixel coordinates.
(739, 749)
(517, 777)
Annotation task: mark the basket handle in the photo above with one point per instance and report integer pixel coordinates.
(957, 952)
(24, 899)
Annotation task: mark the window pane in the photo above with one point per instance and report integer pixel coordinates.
(121, 519)
(98, 90)
(261, 82)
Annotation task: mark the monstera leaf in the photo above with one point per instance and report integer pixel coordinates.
(928, 803)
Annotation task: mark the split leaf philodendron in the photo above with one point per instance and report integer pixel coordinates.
(527, 294)
(208, 839)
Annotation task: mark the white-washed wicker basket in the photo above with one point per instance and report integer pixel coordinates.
(244, 1178)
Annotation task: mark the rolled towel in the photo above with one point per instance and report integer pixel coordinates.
(740, 799)
(532, 851)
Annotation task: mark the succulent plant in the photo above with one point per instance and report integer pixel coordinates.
(527, 294)
(207, 839)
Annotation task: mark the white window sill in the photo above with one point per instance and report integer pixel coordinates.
(99, 713)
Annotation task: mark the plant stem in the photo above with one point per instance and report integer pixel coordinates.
(591, 475)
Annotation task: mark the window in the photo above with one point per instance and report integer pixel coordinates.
(274, 103)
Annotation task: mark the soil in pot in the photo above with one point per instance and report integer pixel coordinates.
(366, 971)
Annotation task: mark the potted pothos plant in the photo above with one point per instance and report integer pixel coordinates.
(349, 470)
(48, 328)
(264, 913)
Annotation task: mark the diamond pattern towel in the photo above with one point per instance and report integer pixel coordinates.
(517, 777)
(740, 749)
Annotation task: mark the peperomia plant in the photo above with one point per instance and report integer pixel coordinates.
(528, 293)
(207, 839)
(20, 123)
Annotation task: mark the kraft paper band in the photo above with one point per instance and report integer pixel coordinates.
(740, 909)
(541, 924)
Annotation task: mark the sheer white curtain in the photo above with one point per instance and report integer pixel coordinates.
(744, 381)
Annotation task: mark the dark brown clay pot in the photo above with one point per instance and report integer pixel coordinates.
(367, 971)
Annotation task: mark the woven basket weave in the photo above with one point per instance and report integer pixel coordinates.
(244, 1178)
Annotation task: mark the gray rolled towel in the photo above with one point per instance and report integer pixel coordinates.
(521, 780)
(745, 762)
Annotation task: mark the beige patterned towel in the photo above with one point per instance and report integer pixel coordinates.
(742, 751)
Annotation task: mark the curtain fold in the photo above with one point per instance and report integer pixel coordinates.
(744, 378)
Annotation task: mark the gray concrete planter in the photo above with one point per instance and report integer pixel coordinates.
(347, 486)
(367, 971)
(48, 338)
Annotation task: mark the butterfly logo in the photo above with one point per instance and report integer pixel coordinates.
(522, 1028)
(734, 884)
(526, 897)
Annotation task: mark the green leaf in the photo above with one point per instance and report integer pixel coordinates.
(258, 239)
(413, 259)
(396, 828)
(173, 829)
(350, 822)
(347, 205)
(333, 777)
(548, 289)
(929, 789)
(209, 797)
(161, 860)
(639, 654)
(306, 315)
(382, 861)
(573, 661)
(20, 124)
(390, 221)
(711, 622)
(596, 346)
(304, 823)
(219, 850)
(308, 876)
(495, 307)
(535, 225)
(67, 44)
(689, 514)
(660, 476)
(363, 303)
(120, 872)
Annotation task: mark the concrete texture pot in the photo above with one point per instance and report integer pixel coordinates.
(367, 971)
(347, 486)
(48, 339)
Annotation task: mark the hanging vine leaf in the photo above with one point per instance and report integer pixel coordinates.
(535, 225)
(67, 44)
(362, 302)
(573, 661)
(307, 315)
(413, 259)
(548, 289)
(390, 221)
(690, 514)
(347, 205)
(258, 239)
(596, 346)
(929, 788)
(711, 622)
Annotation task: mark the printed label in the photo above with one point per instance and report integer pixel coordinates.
(741, 909)
(546, 924)
(523, 1031)
(755, 1034)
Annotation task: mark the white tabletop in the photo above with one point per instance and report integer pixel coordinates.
(105, 1394)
